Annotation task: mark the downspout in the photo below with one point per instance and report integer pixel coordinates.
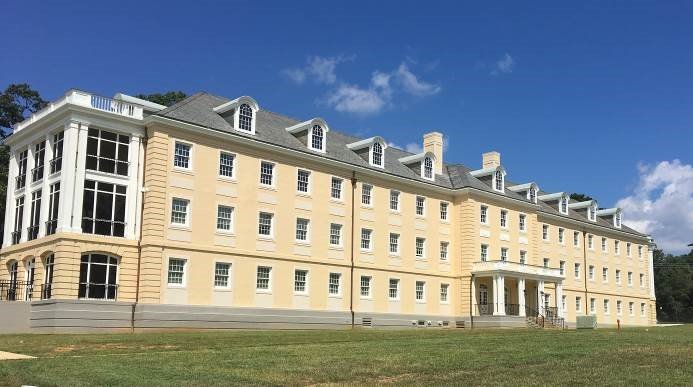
(584, 264)
(351, 279)
(139, 238)
(471, 302)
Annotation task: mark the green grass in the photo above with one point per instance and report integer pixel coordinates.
(662, 356)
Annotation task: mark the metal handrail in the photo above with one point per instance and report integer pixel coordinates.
(20, 181)
(106, 288)
(35, 172)
(53, 162)
(32, 232)
(16, 236)
(51, 226)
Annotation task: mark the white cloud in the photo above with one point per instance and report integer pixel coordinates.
(505, 65)
(414, 147)
(354, 99)
(662, 205)
(412, 85)
(321, 69)
(296, 75)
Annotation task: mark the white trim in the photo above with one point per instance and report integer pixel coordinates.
(184, 280)
(190, 156)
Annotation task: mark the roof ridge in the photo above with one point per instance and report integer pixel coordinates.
(180, 104)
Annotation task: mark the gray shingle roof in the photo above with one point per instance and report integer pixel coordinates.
(271, 128)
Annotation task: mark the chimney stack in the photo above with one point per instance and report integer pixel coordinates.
(490, 160)
(433, 142)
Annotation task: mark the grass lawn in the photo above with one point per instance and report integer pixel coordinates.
(662, 356)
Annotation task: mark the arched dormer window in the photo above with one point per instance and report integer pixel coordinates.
(428, 168)
(563, 204)
(617, 220)
(592, 212)
(532, 194)
(317, 138)
(240, 113)
(245, 118)
(499, 180)
(377, 154)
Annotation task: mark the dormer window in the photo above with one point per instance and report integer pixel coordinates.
(317, 138)
(428, 168)
(563, 205)
(498, 180)
(312, 133)
(532, 194)
(377, 154)
(245, 118)
(592, 213)
(617, 220)
(241, 113)
(372, 150)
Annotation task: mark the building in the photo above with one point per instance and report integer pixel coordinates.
(216, 213)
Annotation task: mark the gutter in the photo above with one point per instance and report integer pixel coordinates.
(351, 277)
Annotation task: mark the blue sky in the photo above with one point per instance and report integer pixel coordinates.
(589, 97)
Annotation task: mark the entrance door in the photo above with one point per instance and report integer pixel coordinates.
(483, 300)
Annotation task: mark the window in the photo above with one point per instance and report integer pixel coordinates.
(302, 229)
(484, 215)
(301, 281)
(631, 308)
(545, 232)
(577, 270)
(224, 218)
(578, 304)
(53, 208)
(39, 160)
(366, 194)
(265, 220)
(181, 155)
(606, 306)
(366, 239)
(56, 162)
(98, 277)
(420, 290)
(592, 213)
(617, 247)
(226, 161)
(498, 180)
(532, 194)
(365, 286)
(333, 287)
(428, 168)
(593, 305)
(561, 233)
(591, 272)
(576, 238)
(590, 242)
(18, 220)
(642, 280)
(564, 205)
(561, 267)
(523, 257)
(603, 244)
(317, 138)
(35, 215)
(617, 220)
(420, 247)
(20, 180)
(522, 222)
(266, 173)
(176, 271)
(420, 205)
(642, 309)
(640, 252)
(303, 181)
(605, 274)
(444, 211)
(484, 253)
(618, 307)
(47, 290)
(108, 152)
(628, 249)
(393, 289)
(504, 218)
(377, 154)
(546, 262)
(336, 188)
(444, 292)
(263, 279)
(394, 200)
(335, 234)
(103, 208)
(504, 254)
(179, 211)
(394, 243)
(221, 275)
(618, 277)
(245, 118)
(444, 251)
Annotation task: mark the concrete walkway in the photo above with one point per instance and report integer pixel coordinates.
(14, 356)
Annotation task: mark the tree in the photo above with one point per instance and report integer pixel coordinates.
(166, 99)
(578, 197)
(674, 286)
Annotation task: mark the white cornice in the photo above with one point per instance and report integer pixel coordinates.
(367, 143)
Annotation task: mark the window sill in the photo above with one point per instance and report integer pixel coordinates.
(186, 171)
(336, 201)
(393, 299)
(267, 187)
(393, 255)
(88, 172)
(445, 261)
(336, 248)
(305, 195)
(301, 294)
(366, 207)
(421, 259)
(262, 291)
(445, 303)
(179, 227)
(420, 302)
(366, 298)
(302, 243)
(369, 252)
(227, 179)
(395, 212)
(265, 238)
(335, 296)
(223, 290)
(225, 233)
(421, 217)
(176, 286)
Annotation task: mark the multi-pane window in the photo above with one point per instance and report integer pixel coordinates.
(377, 154)
(420, 205)
(561, 233)
(617, 247)
(225, 218)
(394, 200)
(484, 253)
(444, 210)
(606, 306)
(420, 290)
(221, 275)
(618, 277)
(576, 238)
(365, 286)
(103, 208)
(317, 138)
(484, 215)
(20, 180)
(266, 173)
(618, 307)
(393, 289)
(53, 208)
(179, 211)
(504, 218)
(617, 220)
(561, 267)
(262, 280)
(523, 257)
(545, 232)
(577, 270)
(592, 213)
(564, 205)
(176, 271)
(444, 292)
(578, 304)
(628, 249)
(631, 308)
(642, 280)
(334, 284)
(336, 188)
(300, 281)
(590, 241)
(605, 274)
(35, 218)
(504, 254)
(265, 220)
(642, 309)
(444, 251)
(108, 152)
(302, 229)
(499, 180)
(366, 239)
(98, 274)
(591, 272)
(56, 163)
(245, 118)
(428, 168)
(546, 262)
(603, 244)
(39, 160)
(18, 220)
(593, 305)
(532, 195)
(226, 161)
(523, 222)
(303, 181)
(335, 234)
(181, 155)
(366, 191)
(49, 267)
(420, 247)
(394, 243)
(640, 252)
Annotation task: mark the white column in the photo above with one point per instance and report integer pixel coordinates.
(45, 190)
(559, 299)
(27, 193)
(495, 295)
(540, 296)
(67, 178)
(501, 294)
(133, 200)
(473, 300)
(9, 200)
(521, 295)
(498, 294)
(650, 274)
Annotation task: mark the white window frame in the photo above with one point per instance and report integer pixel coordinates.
(446, 299)
(576, 239)
(187, 213)
(494, 178)
(311, 133)
(232, 222)
(522, 222)
(382, 155)
(396, 244)
(605, 275)
(545, 235)
(184, 277)
(307, 231)
(228, 276)
(424, 169)
(273, 175)
(369, 196)
(340, 189)
(523, 257)
(397, 282)
(233, 165)
(339, 284)
(190, 155)
(421, 299)
(593, 305)
(591, 273)
(444, 250)
(339, 227)
(504, 254)
(269, 279)
(272, 220)
(369, 232)
(503, 219)
(306, 281)
(561, 267)
(423, 248)
(483, 215)
(483, 252)
(396, 195)
(561, 235)
(617, 275)
(421, 199)
(308, 182)
(577, 270)
(445, 212)
(590, 242)
(369, 287)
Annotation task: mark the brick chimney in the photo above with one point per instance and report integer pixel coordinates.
(433, 142)
(490, 160)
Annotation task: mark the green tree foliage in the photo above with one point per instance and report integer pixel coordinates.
(674, 286)
(578, 197)
(166, 99)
